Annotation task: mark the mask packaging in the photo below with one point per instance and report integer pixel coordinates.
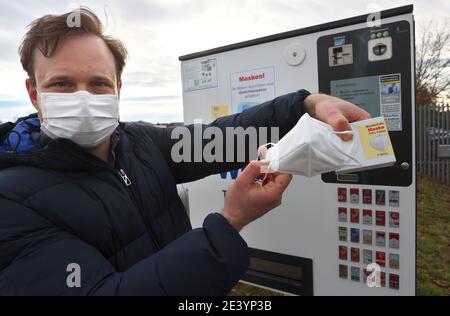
(312, 147)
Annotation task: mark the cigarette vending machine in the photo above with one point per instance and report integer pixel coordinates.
(332, 227)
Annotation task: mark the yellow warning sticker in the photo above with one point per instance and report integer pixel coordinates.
(218, 111)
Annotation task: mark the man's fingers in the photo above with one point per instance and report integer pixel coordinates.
(280, 180)
(357, 114)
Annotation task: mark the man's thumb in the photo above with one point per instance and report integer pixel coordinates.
(340, 124)
(251, 171)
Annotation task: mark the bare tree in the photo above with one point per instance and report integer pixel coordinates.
(432, 63)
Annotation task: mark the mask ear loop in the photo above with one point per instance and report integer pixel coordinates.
(339, 150)
(259, 156)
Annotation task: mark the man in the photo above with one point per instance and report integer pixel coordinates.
(89, 206)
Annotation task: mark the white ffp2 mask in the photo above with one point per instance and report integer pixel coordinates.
(86, 119)
(310, 148)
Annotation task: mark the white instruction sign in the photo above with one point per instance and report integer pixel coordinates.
(252, 87)
(199, 74)
(391, 101)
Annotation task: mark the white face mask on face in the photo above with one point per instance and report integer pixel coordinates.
(311, 148)
(86, 119)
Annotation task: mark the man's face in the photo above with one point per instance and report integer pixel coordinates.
(80, 62)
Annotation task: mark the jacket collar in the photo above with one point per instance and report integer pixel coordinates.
(58, 154)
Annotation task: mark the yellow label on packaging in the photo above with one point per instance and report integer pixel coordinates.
(375, 140)
(218, 111)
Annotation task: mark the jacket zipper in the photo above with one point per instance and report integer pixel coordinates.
(127, 181)
(125, 178)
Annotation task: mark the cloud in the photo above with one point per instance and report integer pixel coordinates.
(156, 32)
(11, 111)
(152, 98)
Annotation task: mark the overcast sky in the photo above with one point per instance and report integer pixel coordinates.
(156, 32)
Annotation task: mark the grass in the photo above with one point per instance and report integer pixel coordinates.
(433, 238)
(433, 242)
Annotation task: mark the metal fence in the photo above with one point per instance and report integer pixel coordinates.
(433, 142)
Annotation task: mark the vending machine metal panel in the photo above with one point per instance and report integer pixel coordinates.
(330, 227)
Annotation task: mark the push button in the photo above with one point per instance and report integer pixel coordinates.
(379, 49)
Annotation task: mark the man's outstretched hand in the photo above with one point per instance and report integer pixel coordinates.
(246, 199)
(334, 111)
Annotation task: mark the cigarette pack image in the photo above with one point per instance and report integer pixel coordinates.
(373, 147)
